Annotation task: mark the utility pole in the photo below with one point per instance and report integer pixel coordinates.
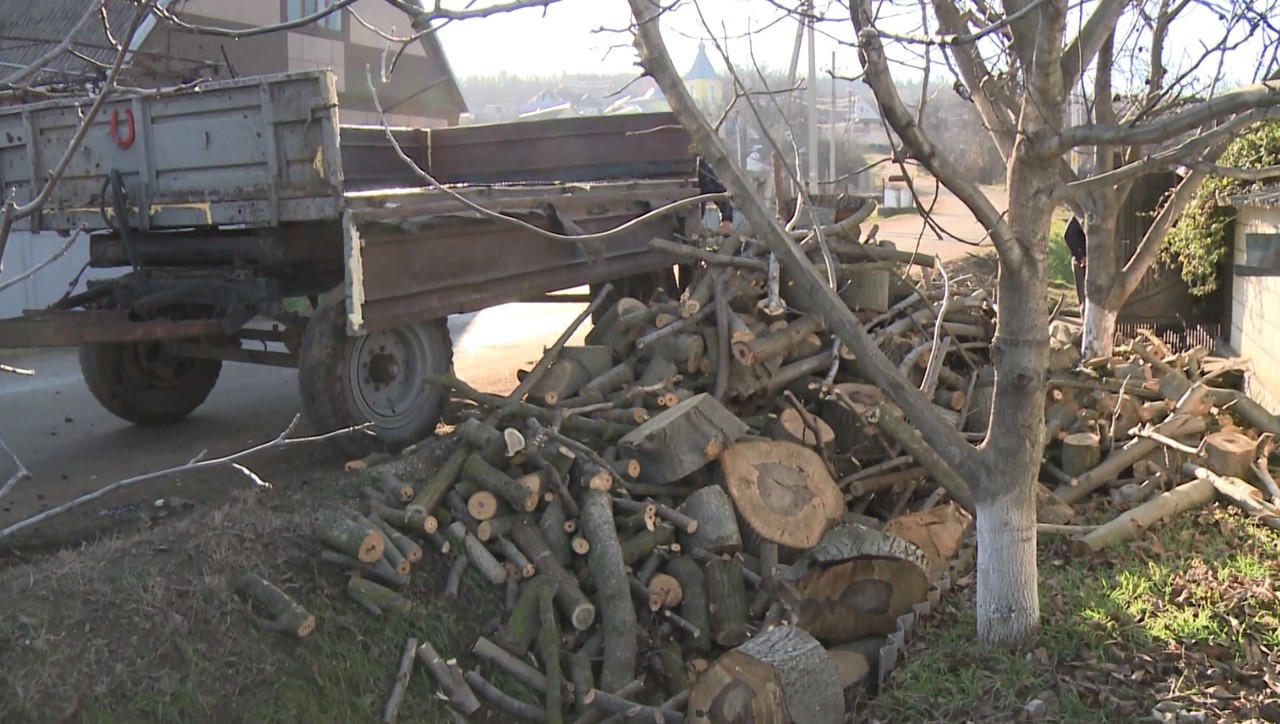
(832, 144)
(812, 101)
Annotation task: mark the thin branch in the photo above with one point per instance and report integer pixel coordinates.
(19, 475)
(282, 440)
(951, 40)
(9, 369)
(237, 33)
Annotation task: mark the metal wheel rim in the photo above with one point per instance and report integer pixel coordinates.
(152, 365)
(389, 393)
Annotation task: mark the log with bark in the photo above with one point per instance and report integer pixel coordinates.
(618, 615)
(450, 679)
(287, 616)
(682, 439)
(361, 541)
(1133, 523)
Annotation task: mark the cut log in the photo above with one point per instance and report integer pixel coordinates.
(667, 589)
(451, 681)
(782, 675)
(980, 406)
(480, 557)
(397, 491)
(391, 712)
(562, 380)
(938, 532)
(682, 439)
(693, 605)
(727, 601)
(521, 629)
(618, 615)
(379, 570)
(430, 495)
(358, 540)
(783, 491)
(503, 659)
(792, 427)
(286, 615)
(867, 288)
(1081, 452)
(499, 483)
(551, 525)
(1121, 458)
(411, 551)
(385, 599)
(686, 350)
(777, 344)
(856, 582)
(641, 544)
(857, 660)
(453, 583)
(848, 420)
(569, 597)
(482, 505)
(1133, 523)
(1237, 492)
(580, 671)
(502, 701)
(549, 646)
(1230, 454)
(410, 521)
(517, 559)
(717, 529)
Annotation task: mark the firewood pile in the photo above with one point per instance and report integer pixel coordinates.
(1159, 433)
(703, 510)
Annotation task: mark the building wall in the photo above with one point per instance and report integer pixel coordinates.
(24, 251)
(1255, 312)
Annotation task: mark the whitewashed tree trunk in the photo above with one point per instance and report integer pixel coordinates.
(1008, 607)
(1099, 330)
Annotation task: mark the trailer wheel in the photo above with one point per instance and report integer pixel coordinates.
(378, 378)
(145, 383)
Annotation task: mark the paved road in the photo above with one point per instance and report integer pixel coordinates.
(72, 446)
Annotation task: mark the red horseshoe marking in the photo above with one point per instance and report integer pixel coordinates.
(126, 140)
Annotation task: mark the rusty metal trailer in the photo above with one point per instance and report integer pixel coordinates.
(222, 204)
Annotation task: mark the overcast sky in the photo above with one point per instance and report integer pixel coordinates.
(582, 36)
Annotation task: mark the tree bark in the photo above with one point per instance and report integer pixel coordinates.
(450, 678)
(1008, 604)
(286, 615)
(573, 603)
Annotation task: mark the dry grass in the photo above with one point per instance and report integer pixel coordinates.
(147, 627)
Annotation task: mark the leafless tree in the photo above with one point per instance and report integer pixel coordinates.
(1019, 63)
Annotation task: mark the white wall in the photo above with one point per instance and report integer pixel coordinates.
(1255, 312)
(24, 251)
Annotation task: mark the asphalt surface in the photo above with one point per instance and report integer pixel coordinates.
(72, 446)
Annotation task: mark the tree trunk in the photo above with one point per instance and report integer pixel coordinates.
(1008, 604)
(617, 614)
(1099, 329)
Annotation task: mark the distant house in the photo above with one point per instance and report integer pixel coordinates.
(422, 91)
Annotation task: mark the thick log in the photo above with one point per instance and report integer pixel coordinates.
(717, 522)
(430, 495)
(561, 382)
(287, 616)
(1238, 493)
(410, 521)
(782, 490)
(521, 629)
(482, 505)
(1133, 523)
(1245, 409)
(727, 599)
(856, 583)
(694, 607)
(480, 557)
(687, 351)
(411, 551)
(549, 645)
(390, 553)
(667, 590)
(551, 524)
(385, 599)
(499, 483)
(1124, 457)
(451, 681)
(938, 532)
(396, 491)
(378, 570)
(569, 597)
(641, 544)
(552, 354)
(682, 439)
(793, 427)
(866, 288)
(776, 345)
(359, 540)
(1230, 454)
(501, 700)
(391, 712)
(580, 671)
(781, 675)
(1081, 452)
(617, 614)
(522, 565)
(852, 436)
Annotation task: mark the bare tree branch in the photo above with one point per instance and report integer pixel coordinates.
(955, 38)
(18, 475)
(183, 26)
(657, 63)
(282, 440)
(1080, 52)
(1241, 100)
(895, 112)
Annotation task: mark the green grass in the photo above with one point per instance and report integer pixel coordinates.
(1164, 619)
(1060, 273)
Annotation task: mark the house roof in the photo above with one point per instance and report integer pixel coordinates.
(31, 28)
(702, 68)
(1268, 196)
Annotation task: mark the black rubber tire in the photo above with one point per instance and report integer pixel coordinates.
(331, 401)
(141, 383)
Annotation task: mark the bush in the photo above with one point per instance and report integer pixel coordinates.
(1060, 272)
